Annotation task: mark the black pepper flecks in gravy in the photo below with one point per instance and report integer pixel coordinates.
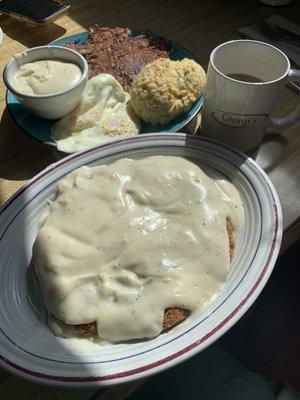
(123, 242)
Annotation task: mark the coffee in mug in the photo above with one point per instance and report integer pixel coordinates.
(244, 80)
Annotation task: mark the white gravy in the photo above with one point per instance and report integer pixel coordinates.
(123, 242)
(46, 77)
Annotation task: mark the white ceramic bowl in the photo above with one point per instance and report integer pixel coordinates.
(55, 105)
(28, 348)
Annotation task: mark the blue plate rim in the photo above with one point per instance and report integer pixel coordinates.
(76, 36)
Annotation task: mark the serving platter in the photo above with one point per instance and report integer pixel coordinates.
(27, 346)
(40, 129)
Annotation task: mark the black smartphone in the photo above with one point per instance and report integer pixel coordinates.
(34, 11)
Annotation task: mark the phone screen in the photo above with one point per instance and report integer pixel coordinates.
(37, 10)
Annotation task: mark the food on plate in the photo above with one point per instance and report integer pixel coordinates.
(134, 247)
(104, 113)
(165, 89)
(46, 77)
(114, 51)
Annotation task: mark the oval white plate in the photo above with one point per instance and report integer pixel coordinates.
(27, 346)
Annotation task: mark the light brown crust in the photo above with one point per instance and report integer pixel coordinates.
(89, 329)
(230, 233)
(174, 315)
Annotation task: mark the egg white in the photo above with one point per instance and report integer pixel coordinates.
(103, 114)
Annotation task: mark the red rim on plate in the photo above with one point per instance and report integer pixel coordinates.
(269, 204)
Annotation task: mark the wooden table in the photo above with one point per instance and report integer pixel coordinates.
(198, 25)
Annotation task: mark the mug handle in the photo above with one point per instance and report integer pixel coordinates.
(293, 75)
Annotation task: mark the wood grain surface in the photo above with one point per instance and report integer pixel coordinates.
(198, 25)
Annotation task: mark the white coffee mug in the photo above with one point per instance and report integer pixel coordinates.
(238, 112)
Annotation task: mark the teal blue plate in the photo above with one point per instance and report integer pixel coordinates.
(40, 129)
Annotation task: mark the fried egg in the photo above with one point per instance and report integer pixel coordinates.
(103, 114)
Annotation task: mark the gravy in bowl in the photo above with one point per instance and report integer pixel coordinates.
(44, 77)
